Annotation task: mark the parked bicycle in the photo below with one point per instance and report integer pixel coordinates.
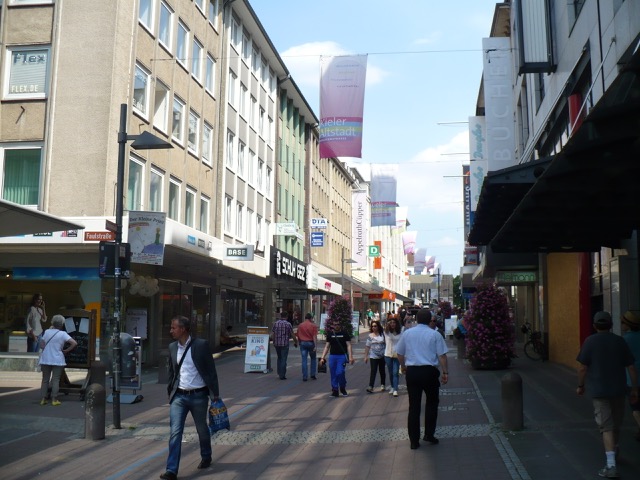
(534, 348)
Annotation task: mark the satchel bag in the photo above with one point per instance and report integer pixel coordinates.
(322, 367)
(218, 416)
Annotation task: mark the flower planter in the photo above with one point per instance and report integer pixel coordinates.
(490, 365)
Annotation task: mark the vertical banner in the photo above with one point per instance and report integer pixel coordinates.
(146, 237)
(409, 242)
(478, 166)
(383, 195)
(377, 261)
(360, 227)
(497, 75)
(430, 263)
(419, 260)
(466, 198)
(342, 82)
(401, 221)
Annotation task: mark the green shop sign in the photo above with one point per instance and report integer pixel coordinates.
(514, 278)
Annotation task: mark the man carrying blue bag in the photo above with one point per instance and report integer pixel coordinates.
(192, 380)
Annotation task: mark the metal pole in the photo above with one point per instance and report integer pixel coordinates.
(117, 349)
(342, 271)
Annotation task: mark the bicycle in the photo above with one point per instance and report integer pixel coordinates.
(534, 348)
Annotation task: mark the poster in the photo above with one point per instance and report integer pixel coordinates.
(256, 357)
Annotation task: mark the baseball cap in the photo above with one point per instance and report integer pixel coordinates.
(309, 315)
(602, 319)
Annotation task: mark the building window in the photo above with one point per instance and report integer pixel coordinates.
(177, 123)
(539, 88)
(261, 122)
(268, 182)
(265, 73)
(28, 72)
(174, 200)
(161, 107)
(182, 44)
(252, 166)
(213, 13)
(210, 81)
(196, 60)
(241, 159)
(141, 84)
(194, 132)
(253, 113)
(233, 89)
(236, 35)
(240, 221)
(204, 213)
(251, 218)
(243, 100)
(156, 184)
(228, 213)
(260, 173)
(246, 48)
(20, 167)
(255, 62)
(259, 239)
(145, 14)
(200, 5)
(230, 151)
(190, 208)
(207, 143)
(165, 28)
(134, 185)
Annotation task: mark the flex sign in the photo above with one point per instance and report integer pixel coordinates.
(512, 278)
(289, 267)
(374, 250)
(319, 223)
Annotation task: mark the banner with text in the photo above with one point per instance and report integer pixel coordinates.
(146, 237)
(360, 227)
(383, 195)
(342, 82)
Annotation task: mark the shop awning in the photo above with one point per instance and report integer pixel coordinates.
(586, 198)
(19, 220)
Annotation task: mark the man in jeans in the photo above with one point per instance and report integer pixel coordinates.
(282, 332)
(307, 334)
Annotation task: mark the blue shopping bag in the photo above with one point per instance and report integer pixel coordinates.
(218, 416)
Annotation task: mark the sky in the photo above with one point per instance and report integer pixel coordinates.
(423, 77)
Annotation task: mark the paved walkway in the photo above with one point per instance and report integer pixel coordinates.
(289, 429)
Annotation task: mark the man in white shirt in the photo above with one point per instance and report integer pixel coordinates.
(420, 351)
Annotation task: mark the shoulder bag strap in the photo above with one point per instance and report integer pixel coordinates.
(47, 342)
(184, 354)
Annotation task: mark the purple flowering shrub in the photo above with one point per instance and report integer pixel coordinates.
(339, 312)
(446, 309)
(490, 336)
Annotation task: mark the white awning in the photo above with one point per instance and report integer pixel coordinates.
(19, 220)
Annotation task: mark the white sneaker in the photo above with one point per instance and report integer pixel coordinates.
(391, 391)
(609, 472)
(382, 388)
(395, 393)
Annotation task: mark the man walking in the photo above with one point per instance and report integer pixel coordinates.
(603, 358)
(307, 334)
(420, 351)
(192, 381)
(282, 332)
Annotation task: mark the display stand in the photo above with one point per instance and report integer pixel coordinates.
(257, 356)
(81, 326)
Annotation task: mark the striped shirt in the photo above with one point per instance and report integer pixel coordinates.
(282, 331)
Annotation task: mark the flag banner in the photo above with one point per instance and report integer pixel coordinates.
(430, 263)
(383, 195)
(342, 81)
(359, 228)
(401, 221)
(146, 237)
(419, 260)
(377, 261)
(409, 242)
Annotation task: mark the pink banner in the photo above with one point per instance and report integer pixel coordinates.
(342, 81)
(383, 194)
(409, 242)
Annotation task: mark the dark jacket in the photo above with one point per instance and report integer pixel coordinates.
(202, 359)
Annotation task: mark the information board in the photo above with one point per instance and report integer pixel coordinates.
(81, 326)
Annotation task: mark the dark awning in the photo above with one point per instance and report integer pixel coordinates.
(501, 193)
(587, 197)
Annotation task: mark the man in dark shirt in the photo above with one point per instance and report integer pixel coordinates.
(282, 332)
(603, 359)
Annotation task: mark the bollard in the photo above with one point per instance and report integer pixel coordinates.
(98, 373)
(94, 412)
(462, 348)
(512, 416)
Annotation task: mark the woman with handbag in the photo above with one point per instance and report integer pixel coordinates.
(54, 344)
(339, 348)
(374, 353)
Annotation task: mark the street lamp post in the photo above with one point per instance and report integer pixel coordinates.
(343, 261)
(144, 141)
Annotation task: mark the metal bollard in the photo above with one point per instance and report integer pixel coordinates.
(512, 414)
(462, 348)
(94, 412)
(98, 373)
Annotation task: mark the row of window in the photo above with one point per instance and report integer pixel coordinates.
(20, 167)
(154, 200)
(244, 223)
(247, 165)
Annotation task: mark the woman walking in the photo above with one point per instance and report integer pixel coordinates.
(56, 343)
(393, 331)
(374, 354)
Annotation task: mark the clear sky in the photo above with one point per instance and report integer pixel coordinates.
(424, 69)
